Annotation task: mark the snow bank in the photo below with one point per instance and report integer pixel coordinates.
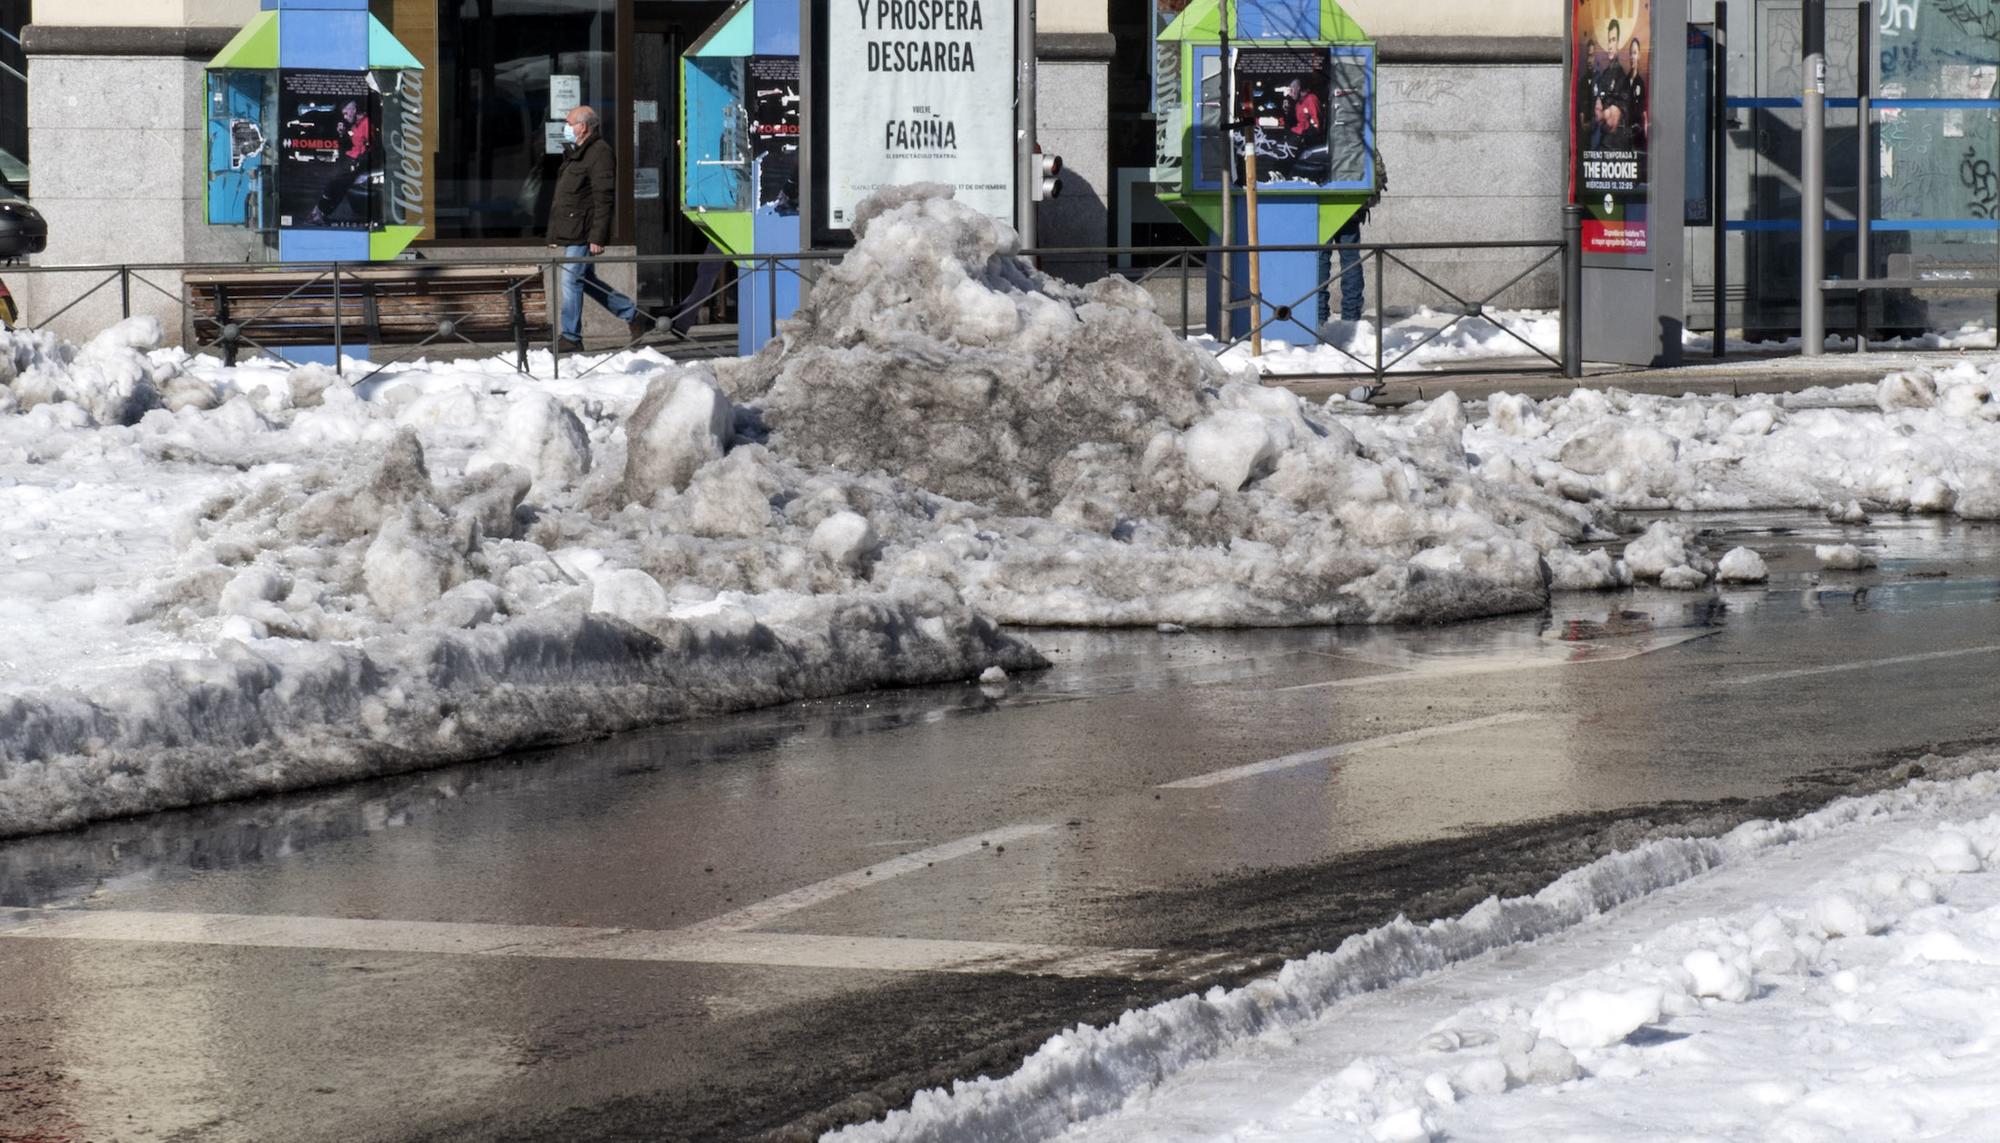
(1577, 1028)
(223, 582)
(1932, 444)
(1079, 464)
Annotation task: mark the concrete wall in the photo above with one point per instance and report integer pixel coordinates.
(1457, 17)
(144, 13)
(1473, 153)
(118, 144)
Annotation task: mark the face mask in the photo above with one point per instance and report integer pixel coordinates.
(569, 134)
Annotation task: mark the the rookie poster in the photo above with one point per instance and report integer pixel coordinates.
(919, 91)
(329, 150)
(1611, 111)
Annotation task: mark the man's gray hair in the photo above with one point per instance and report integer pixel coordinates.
(587, 115)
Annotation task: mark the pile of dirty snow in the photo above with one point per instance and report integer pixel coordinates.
(225, 580)
(1930, 444)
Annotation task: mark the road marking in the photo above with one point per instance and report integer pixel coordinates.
(1308, 757)
(778, 950)
(1863, 665)
(1561, 655)
(820, 892)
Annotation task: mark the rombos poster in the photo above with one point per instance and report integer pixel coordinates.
(774, 130)
(329, 150)
(1284, 97)
(1611, 113)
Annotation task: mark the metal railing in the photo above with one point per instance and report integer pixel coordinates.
(327, 302)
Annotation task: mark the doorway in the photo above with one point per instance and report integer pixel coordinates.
(661, 31)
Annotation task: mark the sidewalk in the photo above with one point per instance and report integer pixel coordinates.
(1734, 375)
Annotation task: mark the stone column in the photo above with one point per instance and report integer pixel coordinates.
(118, 130)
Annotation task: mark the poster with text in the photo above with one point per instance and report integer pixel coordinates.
(329, 150)
(1611, 117)
(1283, 98)
(774, 130)
(920, 91)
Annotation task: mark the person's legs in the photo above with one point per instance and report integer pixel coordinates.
(600, 291)
(570, 280)
(1325, 280)
(1351, 278)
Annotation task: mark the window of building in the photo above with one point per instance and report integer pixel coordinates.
(13, 94)
(507, 69)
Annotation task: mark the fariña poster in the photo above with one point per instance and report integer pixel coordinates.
(919, 91)
(1611, 113)
(329, 150)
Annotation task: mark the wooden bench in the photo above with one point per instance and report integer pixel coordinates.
(394, 303)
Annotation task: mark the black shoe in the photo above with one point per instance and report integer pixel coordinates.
(568, 345)
(642, 326)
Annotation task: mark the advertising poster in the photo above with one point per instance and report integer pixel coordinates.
(329, 150)
(919, 91)
(1611, 97)
(1283, 100)
(774, 130)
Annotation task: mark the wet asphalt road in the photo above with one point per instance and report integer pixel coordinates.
(777, 922)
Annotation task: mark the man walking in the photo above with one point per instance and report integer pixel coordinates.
(580, 226)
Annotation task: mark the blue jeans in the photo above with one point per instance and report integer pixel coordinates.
(580, 278)
(1352, 278)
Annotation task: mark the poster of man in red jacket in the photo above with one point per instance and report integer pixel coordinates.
(329, 152)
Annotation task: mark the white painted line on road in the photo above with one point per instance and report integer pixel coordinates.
(1563, 655)
(776, 950)
(1863, 665)
(820, 892)
(1308, 757)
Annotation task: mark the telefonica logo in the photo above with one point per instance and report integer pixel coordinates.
(406, 143)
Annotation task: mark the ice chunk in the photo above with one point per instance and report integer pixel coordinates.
(682, 423)
(1842, 557)
(1664, 546)
(1231, 448)
(542, 437)
(1741, 565)
(1596, 1018)
(1912, 389)
(1848, 512)
(846, 538)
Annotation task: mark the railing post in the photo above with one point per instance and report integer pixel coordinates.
(1572, 291)
(1186, 260)
(1381, 311)
(125, 290)
(338, 323)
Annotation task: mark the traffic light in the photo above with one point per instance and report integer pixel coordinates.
(1047, 175)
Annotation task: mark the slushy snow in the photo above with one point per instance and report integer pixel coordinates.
(1828, 977)
(226, 581)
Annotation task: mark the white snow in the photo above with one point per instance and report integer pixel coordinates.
(1829, 977)
(221, 581)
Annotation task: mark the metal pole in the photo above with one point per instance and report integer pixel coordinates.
(125, 290)
(1812, 183)
(808, 132)
(1024, 122)
(1718, 195)
(1864, 134)
(338, 347)
(1250, 236)
(1225, 109)
(1572, 294)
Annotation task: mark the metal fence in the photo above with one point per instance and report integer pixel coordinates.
(493, 307)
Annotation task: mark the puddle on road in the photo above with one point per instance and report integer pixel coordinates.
(1927, 563)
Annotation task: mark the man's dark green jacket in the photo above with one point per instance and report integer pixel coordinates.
(586, 189)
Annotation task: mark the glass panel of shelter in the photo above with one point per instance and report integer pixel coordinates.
(1934, 142)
